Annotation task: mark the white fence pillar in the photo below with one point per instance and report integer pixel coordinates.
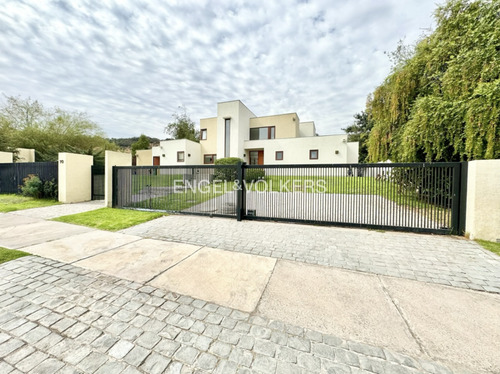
(113, 159)
(6, 157)
(75, 177)
(483, 200)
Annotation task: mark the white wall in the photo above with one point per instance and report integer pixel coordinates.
(25, 155)
(169, 148)
(307, 129)
(113, 159)
(483, 200)
(240, 127)
(352, 152)
(296, 150)
(6, 157)
(144, 157)
(75, 177)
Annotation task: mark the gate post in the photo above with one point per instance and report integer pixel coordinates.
(241, 192)
(464, 167)
(455, 203)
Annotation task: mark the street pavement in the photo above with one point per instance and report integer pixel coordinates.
(153, 299)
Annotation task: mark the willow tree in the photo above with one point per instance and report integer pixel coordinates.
(443, 103)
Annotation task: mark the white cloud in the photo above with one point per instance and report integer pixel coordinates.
(129, 65)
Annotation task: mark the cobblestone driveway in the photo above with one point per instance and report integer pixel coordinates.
(58, 318)
(438, 259)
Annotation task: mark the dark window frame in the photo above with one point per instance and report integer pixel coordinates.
(183, 156)
(310, 154)
(276, 156)
(213, 155)
(271, 130)
(203, 131)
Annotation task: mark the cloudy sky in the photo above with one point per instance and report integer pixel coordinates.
(130, 64)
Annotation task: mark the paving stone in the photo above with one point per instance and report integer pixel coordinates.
(186, 354)
(92, 362)
(19, 354)
(220, 349)
(49, 366)
(167, 347)
(120, 349)
(28, 363)
(264, 364)
(206, 361)
(104, 343)
(148, 340)
(183, 335)
(242, 357)
(225, 367)
(9, 346)
(155, 364)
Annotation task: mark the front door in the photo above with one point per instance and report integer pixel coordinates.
(156, 160)
(256, 157)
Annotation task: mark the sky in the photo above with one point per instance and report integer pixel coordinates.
(131, 64)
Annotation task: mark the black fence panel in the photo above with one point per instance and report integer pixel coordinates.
(423, 197)
(204, 190)
(12, 174)
(409, 197)
(98, 179)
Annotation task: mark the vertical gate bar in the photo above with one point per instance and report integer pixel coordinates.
(114, 186)
(239, 192)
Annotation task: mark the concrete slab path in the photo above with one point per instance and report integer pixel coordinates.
(54, 211)
(439, 259)
(128, 304)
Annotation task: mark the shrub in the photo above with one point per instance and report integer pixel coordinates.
(253, 175)
(50, 189)
(32, 186)
(226, 174)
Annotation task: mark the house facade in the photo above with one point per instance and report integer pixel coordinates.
(268, 140)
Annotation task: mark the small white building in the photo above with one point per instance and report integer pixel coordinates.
(268, 140)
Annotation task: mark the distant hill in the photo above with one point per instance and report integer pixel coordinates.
(127, 142)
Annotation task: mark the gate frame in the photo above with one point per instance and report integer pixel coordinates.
(458, 207)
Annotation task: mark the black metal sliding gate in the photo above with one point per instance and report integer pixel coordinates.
(98, 179)
(12, 174)
(419, 197)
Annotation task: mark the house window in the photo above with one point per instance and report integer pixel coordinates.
(279, 155)
(203, 134)
(259, 133)
(227, 137)
(313, 154)
(180, 156)
(209, 159)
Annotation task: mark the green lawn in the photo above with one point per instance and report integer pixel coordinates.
(140, 181)
(10, 254)
(490, 246)
(183, 200)
(11, 202)
(110, 219)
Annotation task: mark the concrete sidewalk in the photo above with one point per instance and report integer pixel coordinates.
(376, 313)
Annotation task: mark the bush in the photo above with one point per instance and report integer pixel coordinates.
(253, 175)
(33, 186)
(50, 189)
(226, 174)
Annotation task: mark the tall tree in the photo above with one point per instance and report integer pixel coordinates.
(28, 124)
(359, 131)
(443, 103)
(141, 143)
(182, 127)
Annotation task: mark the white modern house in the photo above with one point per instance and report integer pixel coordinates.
(268, 140)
